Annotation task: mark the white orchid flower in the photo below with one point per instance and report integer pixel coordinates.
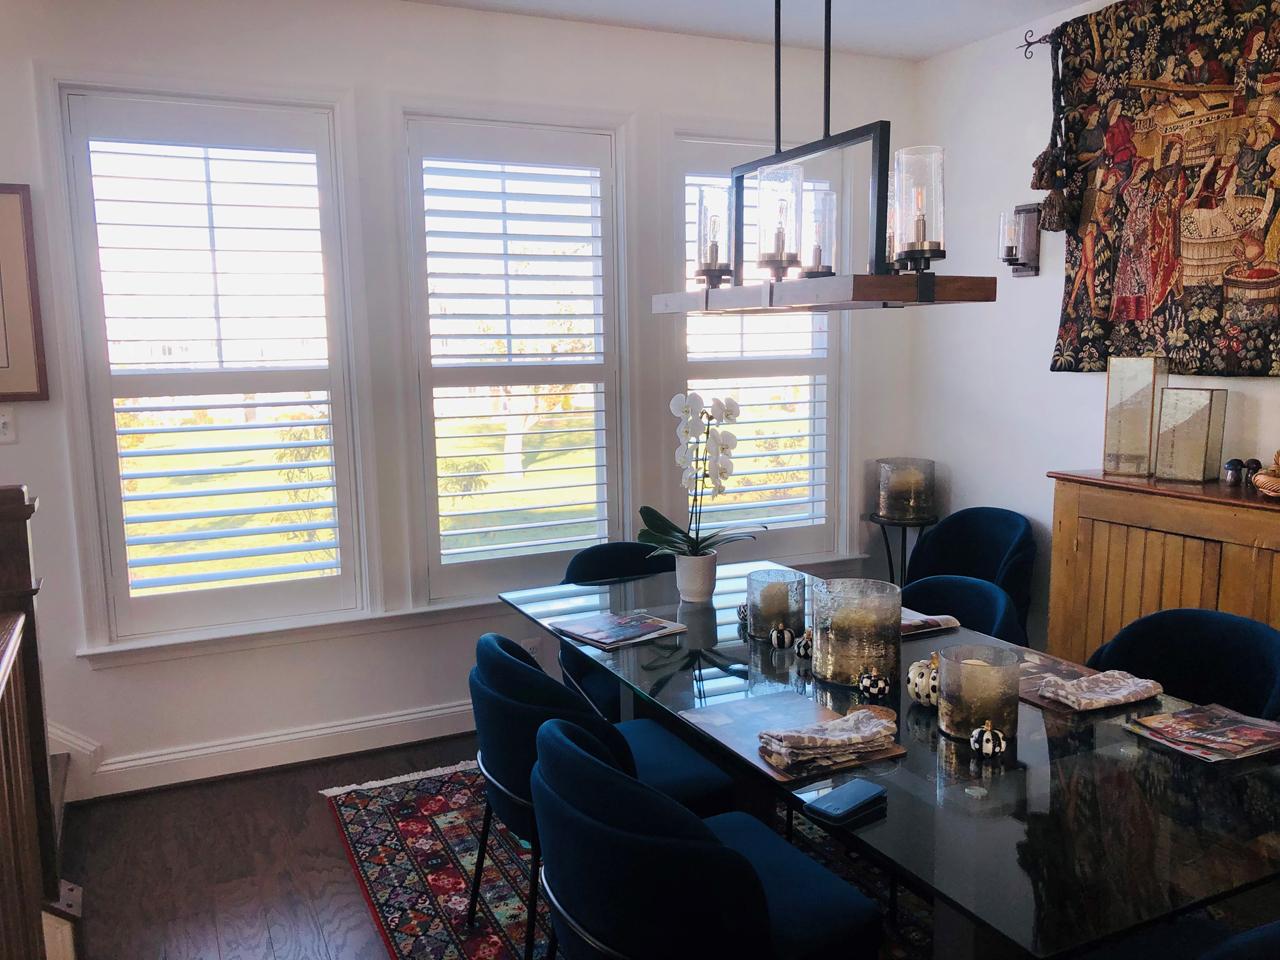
(683, 455)
(696, 406)
(728, 441)
(717, 409)
(679, 406)
(731, 410)
(684, 432)
(717, 487)
(689, 479)
(713, 442)
(725, 466)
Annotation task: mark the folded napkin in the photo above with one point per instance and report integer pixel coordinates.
(830, 743)
(1107, 689)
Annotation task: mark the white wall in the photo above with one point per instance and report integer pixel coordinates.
(212, 710)
(986, 407)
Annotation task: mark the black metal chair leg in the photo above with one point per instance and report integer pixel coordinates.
(531, 925)
(475, 880)
(552, 943)
(888, 550)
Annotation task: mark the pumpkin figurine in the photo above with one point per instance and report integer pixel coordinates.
(781, 636)
(922, 681)
(987, 741)
(873, 685)
(804, 645)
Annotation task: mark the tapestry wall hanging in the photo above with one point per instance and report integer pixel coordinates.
(1166, 153)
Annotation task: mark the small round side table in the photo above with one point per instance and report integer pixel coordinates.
(884, 523)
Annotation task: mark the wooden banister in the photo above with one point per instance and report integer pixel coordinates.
(21, 871)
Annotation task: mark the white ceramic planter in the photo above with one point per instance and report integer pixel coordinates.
(696, 577)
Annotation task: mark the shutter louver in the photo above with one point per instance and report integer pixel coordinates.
(780, 464)
(520, 469)
(514, 263)
(226, 490)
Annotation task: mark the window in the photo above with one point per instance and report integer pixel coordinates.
(513, 225)
(777, 366)
(213, 306)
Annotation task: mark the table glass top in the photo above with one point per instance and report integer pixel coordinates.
(1087, 832)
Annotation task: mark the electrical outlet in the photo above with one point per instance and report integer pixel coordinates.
(8, 424)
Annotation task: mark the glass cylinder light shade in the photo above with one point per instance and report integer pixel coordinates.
(857, 630)
(774, 597)
(918, 177)
(821, 212)
(779, 216)
(977, 683)
(891, 219)
(1007, 241)
(713, 228)
(906, 488)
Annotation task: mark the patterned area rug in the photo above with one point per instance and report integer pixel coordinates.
(412, 842)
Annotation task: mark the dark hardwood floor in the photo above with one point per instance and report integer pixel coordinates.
(246, 868)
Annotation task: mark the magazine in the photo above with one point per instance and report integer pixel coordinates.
(918, 625)
(611, 630)
(1211, 733)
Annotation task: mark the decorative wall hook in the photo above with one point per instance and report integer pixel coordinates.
(1030, 41)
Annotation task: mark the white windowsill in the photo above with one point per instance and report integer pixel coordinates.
(337, 626)
(325, 627)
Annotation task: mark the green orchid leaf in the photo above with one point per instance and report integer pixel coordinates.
(661, 539)
(656, 522)
(719, 540)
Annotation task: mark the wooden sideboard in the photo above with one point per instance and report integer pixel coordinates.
(1124, 547)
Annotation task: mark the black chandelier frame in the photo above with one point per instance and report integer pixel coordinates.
(875, 133)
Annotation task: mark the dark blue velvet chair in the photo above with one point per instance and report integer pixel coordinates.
(978, 604)
(619, 560)
(1262, 943)
(511, 697)
(987, 543)
(631, 874)
(1204, 656)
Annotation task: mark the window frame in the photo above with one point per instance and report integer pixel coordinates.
(103, 113)
(699, 155)
(481, 139)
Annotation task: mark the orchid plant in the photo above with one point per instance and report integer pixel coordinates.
(705, 456)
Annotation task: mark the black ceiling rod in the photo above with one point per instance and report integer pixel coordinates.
(777, 76)
(826, 73)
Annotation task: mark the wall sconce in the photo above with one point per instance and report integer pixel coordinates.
(1019, 240)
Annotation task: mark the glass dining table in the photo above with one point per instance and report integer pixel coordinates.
(1083, 835)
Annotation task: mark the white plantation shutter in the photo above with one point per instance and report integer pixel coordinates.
(207, 246)
(515, 327)
(779, 367)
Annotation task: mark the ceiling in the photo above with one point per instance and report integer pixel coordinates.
(911, 29)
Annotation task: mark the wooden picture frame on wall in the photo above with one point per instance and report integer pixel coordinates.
(22, 365)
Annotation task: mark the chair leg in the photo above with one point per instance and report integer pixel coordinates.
(475, 880)
(531, 925)
(552, 943)
(790, 823)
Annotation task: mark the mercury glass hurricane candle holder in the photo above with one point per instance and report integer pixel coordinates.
(906, 488)
(977, 683)
(774, 597)
(857, 629)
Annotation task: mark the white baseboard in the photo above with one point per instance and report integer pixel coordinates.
(155, 768)
(85, 754)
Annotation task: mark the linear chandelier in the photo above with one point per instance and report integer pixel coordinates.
(798, 236)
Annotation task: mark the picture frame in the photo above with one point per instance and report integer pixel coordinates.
(23, 375)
